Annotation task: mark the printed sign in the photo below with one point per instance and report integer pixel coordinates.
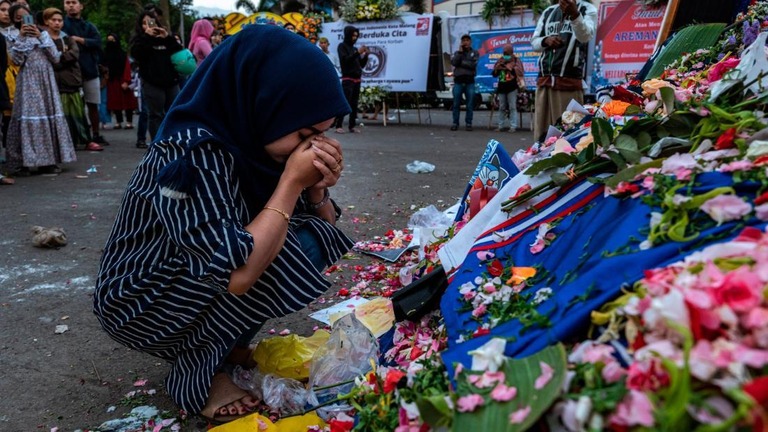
(490, 45)
(399, 51)
(628, 35)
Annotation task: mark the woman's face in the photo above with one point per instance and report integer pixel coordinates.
(281, 148)
(55, 22)
(5, 19)
(20, 15)
(147, 22)
(110, 38)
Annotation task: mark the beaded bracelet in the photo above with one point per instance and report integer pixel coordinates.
(324, 201)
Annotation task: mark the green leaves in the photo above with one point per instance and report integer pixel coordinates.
(521, 374)
(559, 160)
(602, 131)
(628, 148)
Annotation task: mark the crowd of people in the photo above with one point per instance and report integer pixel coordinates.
(63, 84)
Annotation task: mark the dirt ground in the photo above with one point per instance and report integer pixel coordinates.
(79, 379)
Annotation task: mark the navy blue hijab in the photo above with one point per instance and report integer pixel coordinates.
(259, 85)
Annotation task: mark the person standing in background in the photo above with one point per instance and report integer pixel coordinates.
(89, 41)
(200, 39)
(562, 36)
(70, 81)
(509, 70)
(120, 98)
(464, 63)
(352, 61)
(38, 135)
(323, 44)
(152, 47)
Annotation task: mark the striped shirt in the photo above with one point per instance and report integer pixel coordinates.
(162, 284)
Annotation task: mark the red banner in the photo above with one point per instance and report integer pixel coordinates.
(628, 34)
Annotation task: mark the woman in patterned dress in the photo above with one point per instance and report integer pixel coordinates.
(38, 136)
(227, 220)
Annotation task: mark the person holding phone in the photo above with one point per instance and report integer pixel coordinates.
(152, 47)
(38, 135)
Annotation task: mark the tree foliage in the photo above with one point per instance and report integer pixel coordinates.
(119, 16)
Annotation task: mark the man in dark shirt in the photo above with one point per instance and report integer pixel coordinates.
(352, 61)
(464, 63)
(89, 40)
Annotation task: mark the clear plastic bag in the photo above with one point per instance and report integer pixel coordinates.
(284, 395)
(347, 355)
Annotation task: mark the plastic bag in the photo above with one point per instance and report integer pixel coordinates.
(417, 167)
(348, 354)
(289, 356)
(284, 395)
(258, 422)
(428, 225)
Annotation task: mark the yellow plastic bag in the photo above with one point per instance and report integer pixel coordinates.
(259, 423)
(289, 356)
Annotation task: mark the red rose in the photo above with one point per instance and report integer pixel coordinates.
(762, 199)
(392, 379)
(726, 139)
(495, 269)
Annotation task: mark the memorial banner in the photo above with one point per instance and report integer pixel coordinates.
(399, 49)
(490, 45)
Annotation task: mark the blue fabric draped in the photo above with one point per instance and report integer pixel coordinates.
(259, 85)
(591, 225)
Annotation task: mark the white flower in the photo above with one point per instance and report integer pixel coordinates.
(489, 356)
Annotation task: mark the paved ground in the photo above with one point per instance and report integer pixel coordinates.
(70, 380)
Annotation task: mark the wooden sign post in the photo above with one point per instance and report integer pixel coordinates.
(667, 22)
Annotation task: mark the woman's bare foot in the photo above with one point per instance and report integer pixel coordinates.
(7, 181)
(244, 405)
(226, 401)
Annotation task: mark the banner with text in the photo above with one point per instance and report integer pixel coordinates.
(627, 31)
(399, 51)
(490, 45)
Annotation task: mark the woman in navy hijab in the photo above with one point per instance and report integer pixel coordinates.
(227, 221)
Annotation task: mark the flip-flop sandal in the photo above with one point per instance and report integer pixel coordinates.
(7, 181)
(129, 126)
(224, 392)
(340, 131)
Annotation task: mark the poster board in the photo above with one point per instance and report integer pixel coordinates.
(399, 48)
(490, 44)
(627, 31)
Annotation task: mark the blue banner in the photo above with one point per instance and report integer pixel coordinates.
(490, 44)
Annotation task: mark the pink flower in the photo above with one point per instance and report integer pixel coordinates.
(635, 410)
(740, 290)
(738, 165)
(680, 162)
(537, 246)
(546, 375)
(479, 311)
(718, 70)
(520, 415)
(486, 379)
(756, 318)
(595, 353)
(761, 212)
(613, 372)
(724, 208)
(647, 376)
(503, 393)
(469, 403)
(702, 361)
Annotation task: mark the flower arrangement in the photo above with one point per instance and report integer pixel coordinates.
(368, 10)
(311, 25)
(697, 347)
(372, 95)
